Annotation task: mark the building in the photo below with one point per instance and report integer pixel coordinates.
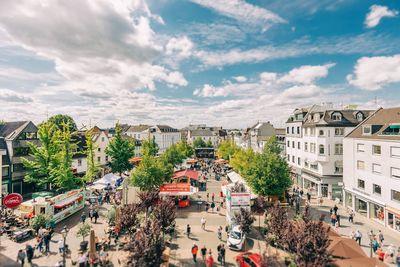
(2, 154)
(213, 134)
(280, 134)
(139, 132)
(79, 160)
(316, 152)
(371, 174)
(164, 136)
(101, 140)
(14, 137)
(258, 135)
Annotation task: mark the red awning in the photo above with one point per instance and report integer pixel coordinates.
(174, 189)
(67, 201)
(186, 173)
(135, 160)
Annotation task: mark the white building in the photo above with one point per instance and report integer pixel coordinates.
(79, 160)
(314, 147)
(258, 135)
(100, 142)
(372, 168)
(165, 136)
(213, 134)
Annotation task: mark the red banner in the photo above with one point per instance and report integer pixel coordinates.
(175, 188)
(12, 201)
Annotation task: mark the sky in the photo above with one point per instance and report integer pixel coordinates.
(225, 63)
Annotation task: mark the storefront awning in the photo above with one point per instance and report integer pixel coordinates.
(67, 201)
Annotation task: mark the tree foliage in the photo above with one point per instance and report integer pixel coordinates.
(185, 149)
(276, 222)
(60, 120)
(83, 230)
(198, 142)
(149, 147)
(244, 219)
(227, 149)
(165, 214)
(128, 218)
(242, 160)
(120, 150)
(172, 156)
(92, 166)
(40, 220)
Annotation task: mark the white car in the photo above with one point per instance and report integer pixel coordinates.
(236, 238)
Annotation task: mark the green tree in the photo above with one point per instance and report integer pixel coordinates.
(242, 160)
(92, 166)
(199, 142)
(185, 149)
(40, 220)
(172, 156)
(64, 179)
(120, 150)
(151, 173)
(39, 170)
(149, 147)
(84, 230)
(60, 120)
(209, 143)
(268, 175)
(226, 149)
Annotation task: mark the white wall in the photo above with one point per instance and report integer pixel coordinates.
(165, 140)
(82, 168)
(101, 144)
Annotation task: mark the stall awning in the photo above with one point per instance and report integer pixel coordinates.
(177, 189)
(135, 160)
(67, 201)
(191, 161)
(186, 173)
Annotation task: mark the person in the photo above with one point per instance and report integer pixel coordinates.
(335, 209)
(91, 214)
(380, 238)
(40, 231)
(212, 197)
(333, 219)
(46, 240)
(212, 206)
(194, 252)
(301, 192)
(219, 232)
(83, 217)
(100, 199)
(351, 217)
(210, 259)
(29, 253)
(39, 243)
(207, 206)
(222, 254)
(375, 245)
(82, 260)
(381, 254)
(203, 251)
(338, 219)
(203, 223)
(398, 257)
(60, 245)
(21, 257)
(208, 196)
(227, 229)
(95, 215)
(188, 230)
(390, 252)
(358, 237)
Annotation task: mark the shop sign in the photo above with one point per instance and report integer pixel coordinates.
(12, 201)
(240, 199)
(175, 188)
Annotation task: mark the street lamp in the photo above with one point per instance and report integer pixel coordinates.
(371, 238)
(64, 233)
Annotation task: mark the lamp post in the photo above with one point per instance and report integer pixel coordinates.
(371, 238)
(64, 233)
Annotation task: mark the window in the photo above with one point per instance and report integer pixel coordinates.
(336, 116)
(292, 130)
(338, 149)
(293, 144)
(321, 149)
(339, 131)
(366, 130)
(79, 162)
(305, 146)
(288, 143)
(293, 159)
(306, 164)
(298, 130)
(21, 151)
(288, 157)
(316, 117)
(376, 168)
(395, 195)
(360, 165)
(18, 167)
(339, 167)
(360, 148)
(312, 131)
(395, 152)
(287, 129)
(4, 171)
(314, 166)
(98, 159)
(99, 149)
(312, 147)
(102, 139)
(393, 129)
(298, 161)
(360, 116)
(395, 172)
(376, 189)
(376, 150)
(298, 145)
(361, 184)
(321, 132)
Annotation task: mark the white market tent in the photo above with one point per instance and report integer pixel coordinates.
(109, 178)
(237, 178)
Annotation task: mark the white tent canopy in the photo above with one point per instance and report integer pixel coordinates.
(237, 178)
(109, 178)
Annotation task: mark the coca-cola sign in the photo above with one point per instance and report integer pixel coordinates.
(12, 201)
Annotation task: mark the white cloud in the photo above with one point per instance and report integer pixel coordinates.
(11, 96)
(372, 73)
(182, 46)
(376, 13)
(306, 74)
(268, 77)
(243, 12)
(240, 79)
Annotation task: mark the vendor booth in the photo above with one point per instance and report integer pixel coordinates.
(108, 179)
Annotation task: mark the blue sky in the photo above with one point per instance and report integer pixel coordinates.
(221, 62)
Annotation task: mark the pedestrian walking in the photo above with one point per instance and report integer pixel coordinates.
(207, 206)
(194, 252)
(212, 197)
(222, 254)
(219, 232)
(203, 223)
(46, 240)
(210, 260)
(21, 257)
(208, 196)
(91, 215)
(188, 230)
(351, 216)
(39, 243)
(203, 251)
(212, 206)
(60, 245)
(358, 237)
(375, 245)
(82, 260)
(333, 219)
(380, 238)
(29, 253)
(335, 209)
(83, 217)
(95, 215)
(309, 196)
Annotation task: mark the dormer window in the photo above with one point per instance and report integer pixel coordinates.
(316, 117)
(366, 130)
(336, 116)
(360, 116)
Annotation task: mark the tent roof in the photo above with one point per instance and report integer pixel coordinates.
(359, 262)
(345, 247)
(188, 173)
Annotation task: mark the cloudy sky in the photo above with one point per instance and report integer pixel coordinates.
(220, 62)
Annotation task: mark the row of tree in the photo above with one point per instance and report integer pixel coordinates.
(266, 173)
(198, 142)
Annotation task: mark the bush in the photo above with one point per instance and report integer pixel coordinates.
(84, 230)
(38, 221)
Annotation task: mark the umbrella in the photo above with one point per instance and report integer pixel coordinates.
(331, 232)
(345, 248)
(359, 262)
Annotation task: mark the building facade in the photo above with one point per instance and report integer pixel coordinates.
(164, 136)
(372, 168)
(258, 135)
(2, 153)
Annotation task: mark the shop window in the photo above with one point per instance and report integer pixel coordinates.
(395, 173)
(395, 152)
(376, 168)
(361, 184)
(360, 165)
(377, 212)
(376, 150)
(395, 195)
(339, 131)
(360, 147)
(377, 189)
(338, 149)
(366, 130)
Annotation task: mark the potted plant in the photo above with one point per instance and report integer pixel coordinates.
(84, 231)
(38, 221)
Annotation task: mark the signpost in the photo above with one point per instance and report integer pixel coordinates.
(12, 201)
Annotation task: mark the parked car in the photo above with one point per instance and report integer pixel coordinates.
(248, 259)
(236, 238)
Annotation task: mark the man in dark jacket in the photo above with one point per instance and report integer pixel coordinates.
(29, 253)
